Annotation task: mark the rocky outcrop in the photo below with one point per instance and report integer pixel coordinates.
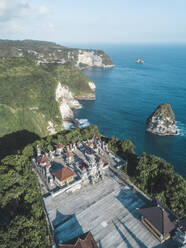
(162, 121)
(51, 129)
(92, 86)
(66, 102)
(63, 94)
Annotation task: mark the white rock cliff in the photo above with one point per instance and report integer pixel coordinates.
(90, 58)
(92, 86)
(66, 102)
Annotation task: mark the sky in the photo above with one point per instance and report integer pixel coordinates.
(94, 21)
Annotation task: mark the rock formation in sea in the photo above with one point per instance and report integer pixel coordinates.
(162, 121)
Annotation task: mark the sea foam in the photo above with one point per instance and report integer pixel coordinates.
(181, 128)
(83, 122)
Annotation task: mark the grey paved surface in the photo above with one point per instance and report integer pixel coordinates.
(107, 209)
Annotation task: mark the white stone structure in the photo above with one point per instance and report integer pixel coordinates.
(38, 151)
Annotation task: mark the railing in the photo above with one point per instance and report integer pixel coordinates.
(126, 179)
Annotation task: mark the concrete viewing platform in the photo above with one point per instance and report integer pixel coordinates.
(107, 209)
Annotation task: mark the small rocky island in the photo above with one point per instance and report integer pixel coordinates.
(162, 121)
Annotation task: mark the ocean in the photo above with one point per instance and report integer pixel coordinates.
(128, 93)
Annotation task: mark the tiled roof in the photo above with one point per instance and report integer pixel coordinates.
(104, 162)
(85, 240)
(43, 159)
(64, 173)
(59, 146)
(81, 166)
(90, 143)
(160, 217)
(69, 154)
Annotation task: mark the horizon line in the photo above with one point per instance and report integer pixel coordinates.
(104, 42)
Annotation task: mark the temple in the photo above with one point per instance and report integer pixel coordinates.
(64, 176)
(85, 240)
(159, 220)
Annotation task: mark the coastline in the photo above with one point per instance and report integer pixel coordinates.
(129, 93)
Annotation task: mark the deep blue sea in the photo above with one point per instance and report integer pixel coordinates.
(128, 93)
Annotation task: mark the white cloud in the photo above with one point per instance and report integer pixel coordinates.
(10, 9)
(43, 10)
(20, 19)
(50, 25)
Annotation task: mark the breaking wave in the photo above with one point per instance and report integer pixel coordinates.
(181, 128)
(83, 122)
(80, 106)
(67, 125)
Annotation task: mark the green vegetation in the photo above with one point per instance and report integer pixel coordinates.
(22, 218)
(66, 137)
(29, 74)
(11, 143)
(32, 48)
(157, 178)
(45, 51)
(27, 96)
(76, 80)
(105, 58)
(153, 175)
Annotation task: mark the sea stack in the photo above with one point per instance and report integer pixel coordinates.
(162, 121)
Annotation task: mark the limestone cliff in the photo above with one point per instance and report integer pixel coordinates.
(162, 121)
(67, 102)
(39, 98)
(93, 58)
(41, 83)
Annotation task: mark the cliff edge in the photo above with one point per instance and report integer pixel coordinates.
(49, 52)
(41, 83)
(162, 121)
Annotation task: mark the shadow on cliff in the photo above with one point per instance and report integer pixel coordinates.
(11, 143)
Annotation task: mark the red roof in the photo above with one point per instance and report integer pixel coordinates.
(43, 160)
(90, 143)
(64, 173)
(69, 154)
(85, 240)
(81, 166)
(104, 162)
(59, 146)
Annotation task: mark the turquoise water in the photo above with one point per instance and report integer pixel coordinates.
(128, 93)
